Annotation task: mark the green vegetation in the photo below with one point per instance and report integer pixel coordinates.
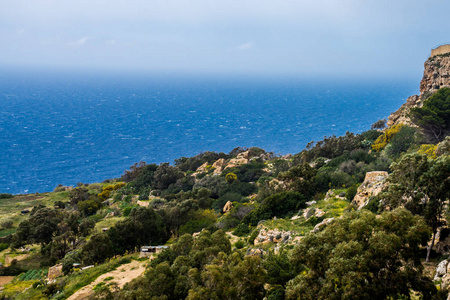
(212, 252)
(434, 116)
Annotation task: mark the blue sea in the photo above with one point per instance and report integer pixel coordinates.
(64, 128)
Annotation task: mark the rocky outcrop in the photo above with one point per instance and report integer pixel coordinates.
(227, 207)
(272, 236)
(436, 75)
(241, 159)
(202, 168)
(441, 270)
(219, 165)
(309, 212)
(373, 184)
(55, 271)
(322, 224)
(401, 115)
(256, 252)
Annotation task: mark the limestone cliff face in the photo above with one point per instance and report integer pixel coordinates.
(436, 75)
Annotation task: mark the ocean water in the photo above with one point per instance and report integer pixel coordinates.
(64, 128)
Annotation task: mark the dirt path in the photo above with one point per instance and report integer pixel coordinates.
(5, 279)
(121, 275)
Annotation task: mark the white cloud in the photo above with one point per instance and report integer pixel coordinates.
(245, 46)
(111, 42)
(20, 31)
(80, 42)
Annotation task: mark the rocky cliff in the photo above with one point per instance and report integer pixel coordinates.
(436, 75)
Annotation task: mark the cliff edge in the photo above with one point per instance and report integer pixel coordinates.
(436, 75)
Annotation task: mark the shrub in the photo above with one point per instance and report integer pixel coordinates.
(239, 244)
(242, 230)
(253, 236)
(351, 192)
(380, 124)
(382, 141)
(5, 196)
(230, 177)
(8, 223)
(443, 148)
(402, 141)
(429, 150)
(3, 246)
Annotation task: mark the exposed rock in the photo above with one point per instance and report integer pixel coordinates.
(256, 252)
(322, 224)
(272, 236)
(143, 203)
(219, 165)
(373, 184)
(227, 207)
(436, 75)
(309, 203)
(110, 215)
(443, 241)
(277, 186)
(287, 156)
(202, 168)
(309, 212)
(55, 271)
(441, 270)
(401, 115)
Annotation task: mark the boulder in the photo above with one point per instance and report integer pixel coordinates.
(373, 184)
(272, 236)
(322, 224)
(256, 252)
(441, 270)
(55, 271)
(227, 207)
(219, 165)
(202, 168)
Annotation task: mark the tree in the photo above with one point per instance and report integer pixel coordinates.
(362, 256)
(422, 186)
(434, 116)
(97, 250)
(380, 124)
(165, 175)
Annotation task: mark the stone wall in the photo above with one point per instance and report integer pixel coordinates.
(440, 50)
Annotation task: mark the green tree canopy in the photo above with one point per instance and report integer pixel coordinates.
(434, 116)
(361, 256)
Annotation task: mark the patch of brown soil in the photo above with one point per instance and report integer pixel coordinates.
(5, 279)
(9, 259)
(121, 275)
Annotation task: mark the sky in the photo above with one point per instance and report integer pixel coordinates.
(310, 38)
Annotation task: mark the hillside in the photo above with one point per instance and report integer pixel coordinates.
(356, 216)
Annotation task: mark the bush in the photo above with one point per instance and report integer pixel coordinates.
(253, 236)
(351, 192)
(5, 196)
(278, 205)
(384, 139)
(7, 223)
(242, 230)
(429, 150)
(230, 177)
(3, 246)
(239, 244)
(402, 141)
